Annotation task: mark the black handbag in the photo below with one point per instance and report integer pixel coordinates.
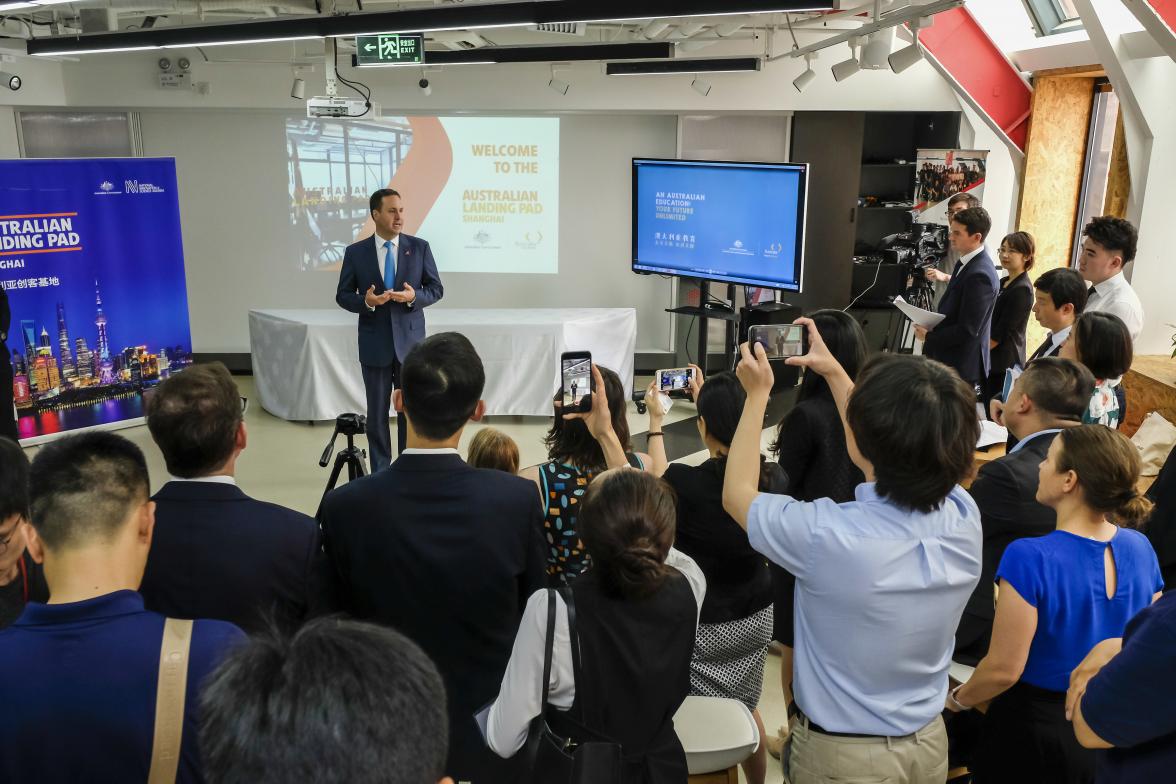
(559, 749)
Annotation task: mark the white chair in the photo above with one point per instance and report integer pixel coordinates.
(717, 734)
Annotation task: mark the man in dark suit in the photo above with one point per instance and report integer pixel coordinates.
(1059, 298)
(217, 553)
(388, 279)
(445, 553)
(7, 413)
(1050, 395)
(961, 340)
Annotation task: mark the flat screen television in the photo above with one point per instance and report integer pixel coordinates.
(724, 221)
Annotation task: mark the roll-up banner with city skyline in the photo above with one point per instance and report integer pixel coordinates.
(92, 261)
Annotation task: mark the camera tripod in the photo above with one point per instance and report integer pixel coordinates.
(353, 458)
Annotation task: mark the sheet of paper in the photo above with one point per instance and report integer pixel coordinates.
(991, 433)
(924, 318)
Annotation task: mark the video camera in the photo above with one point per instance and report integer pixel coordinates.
(919, 249)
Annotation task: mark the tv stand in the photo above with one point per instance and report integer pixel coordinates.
(706, 310)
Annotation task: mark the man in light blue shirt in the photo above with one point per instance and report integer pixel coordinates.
(881, 581)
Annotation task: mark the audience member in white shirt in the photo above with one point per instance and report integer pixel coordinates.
(1108, 245)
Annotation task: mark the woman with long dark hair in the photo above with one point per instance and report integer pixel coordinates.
(574, 458)
(1058, 596)
(810, 446)
(735, 625)
(635, 607)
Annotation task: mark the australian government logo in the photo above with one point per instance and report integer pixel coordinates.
(106, 188)
(482, 240)
(737, 248)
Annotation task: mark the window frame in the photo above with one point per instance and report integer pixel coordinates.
(1050, 19)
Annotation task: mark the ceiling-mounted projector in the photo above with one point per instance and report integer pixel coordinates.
(328, 106)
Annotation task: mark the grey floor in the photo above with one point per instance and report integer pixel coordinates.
(280, 464)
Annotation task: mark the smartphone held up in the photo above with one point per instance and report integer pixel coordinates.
(576, 385)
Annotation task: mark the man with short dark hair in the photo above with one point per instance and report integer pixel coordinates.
(1108, 245)
(1059, 298)
(388, 279)
(21, 578)
(881, 581)
(445, 553)
(1050, 395)
(84, 668)
(961, 340)
(367, 705)
(217, 552)
(959, 202)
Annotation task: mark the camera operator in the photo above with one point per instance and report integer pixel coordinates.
(961, 340)
(956, 204)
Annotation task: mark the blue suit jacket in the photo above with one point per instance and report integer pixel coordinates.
(389, 332)
(961, 339)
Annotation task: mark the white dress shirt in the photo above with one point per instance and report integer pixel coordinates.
(1058, 338)
(219, 479)
(969, 256)
(1115, 295)
(445, 450)
(510, 715)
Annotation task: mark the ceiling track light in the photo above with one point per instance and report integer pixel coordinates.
(806, 78)
(907, 56)
(298, 89)
(847, 68)
(701, 86)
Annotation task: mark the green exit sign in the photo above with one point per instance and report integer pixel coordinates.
(390, 49)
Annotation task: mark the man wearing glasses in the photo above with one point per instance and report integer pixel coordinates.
(21, 578)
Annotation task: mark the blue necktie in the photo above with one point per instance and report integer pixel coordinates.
(389, 266)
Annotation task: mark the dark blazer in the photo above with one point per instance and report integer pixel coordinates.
(217, 553)
(1010, 316)
(389, 332)
(1161, 526)
(448, 555)
(1005, 490)
(961, 339)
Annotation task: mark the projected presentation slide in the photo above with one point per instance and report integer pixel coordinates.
(482, 191)
(731, 222)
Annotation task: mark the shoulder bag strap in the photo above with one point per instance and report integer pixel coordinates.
(169, 701)
(574, 640)
(550, 644)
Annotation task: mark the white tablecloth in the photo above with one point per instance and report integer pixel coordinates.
(306, 362)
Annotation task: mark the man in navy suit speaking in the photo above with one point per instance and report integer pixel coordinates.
(388, 279)
(961, 340)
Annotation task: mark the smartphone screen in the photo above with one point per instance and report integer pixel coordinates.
(577, 380)
(780, 340)
(675, 380)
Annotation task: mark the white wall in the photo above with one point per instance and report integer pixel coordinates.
(240, 253)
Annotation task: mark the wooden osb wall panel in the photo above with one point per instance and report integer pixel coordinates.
(1054, 157)
(1119, 176)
